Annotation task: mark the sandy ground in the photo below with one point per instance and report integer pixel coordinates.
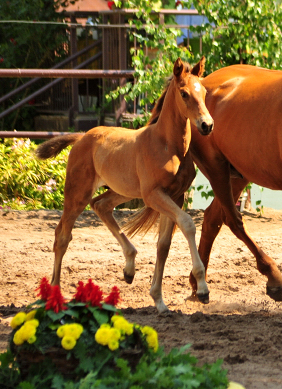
(240, 325)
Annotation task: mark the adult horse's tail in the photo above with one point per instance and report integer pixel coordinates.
(54, 146)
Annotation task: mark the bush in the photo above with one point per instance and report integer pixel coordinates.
(27, 182)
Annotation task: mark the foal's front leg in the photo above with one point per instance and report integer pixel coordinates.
(103, 206)
(162, 203)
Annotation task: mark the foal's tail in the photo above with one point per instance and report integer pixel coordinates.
(142, 222)
(54, 146)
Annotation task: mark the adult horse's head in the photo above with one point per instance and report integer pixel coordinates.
(192, 93)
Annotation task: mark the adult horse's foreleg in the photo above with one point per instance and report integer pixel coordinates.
(103, 206)
(162, 203)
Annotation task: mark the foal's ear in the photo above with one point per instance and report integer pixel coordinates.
(198, 70)
(178, 68)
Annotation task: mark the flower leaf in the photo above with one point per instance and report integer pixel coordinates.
(100, 316)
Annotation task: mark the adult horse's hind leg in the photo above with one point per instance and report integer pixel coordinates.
(221, 211)
(103, 206)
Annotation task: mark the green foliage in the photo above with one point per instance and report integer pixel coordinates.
(150, 70)
(245, 32)
(27, 182)
(27, 45)
(177, 369)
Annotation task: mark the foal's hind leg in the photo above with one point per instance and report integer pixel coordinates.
(77, 196)
(103, 206)
(166, 228)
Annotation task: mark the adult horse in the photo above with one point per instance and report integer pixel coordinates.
(153, 163)
(245, 146)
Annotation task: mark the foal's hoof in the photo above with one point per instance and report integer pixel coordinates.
(128, 278)
(274, 292)
(203, 297)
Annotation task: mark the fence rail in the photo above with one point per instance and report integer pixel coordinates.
(32, 134)
(66, 73)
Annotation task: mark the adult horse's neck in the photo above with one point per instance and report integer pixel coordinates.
(172, 125)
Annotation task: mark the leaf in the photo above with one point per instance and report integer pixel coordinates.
(100, 316)
(58, 382)
(55, 316)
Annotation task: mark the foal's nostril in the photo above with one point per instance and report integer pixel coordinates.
(207, 128)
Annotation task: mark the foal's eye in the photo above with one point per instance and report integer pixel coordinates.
(184, 94)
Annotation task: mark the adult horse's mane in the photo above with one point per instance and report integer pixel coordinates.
(160, 102)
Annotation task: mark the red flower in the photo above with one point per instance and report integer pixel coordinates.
(89, 293)
(88, 289)
(114, 297)
(111, 4)
(96, 296)
(45, 289)
(56, 301)
(178, 3)
(12, 40)
(80, 293)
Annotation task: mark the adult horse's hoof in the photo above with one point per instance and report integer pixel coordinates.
(275, 292)
(203, 297)
(128, 278)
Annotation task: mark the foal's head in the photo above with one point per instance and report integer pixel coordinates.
(192, 94)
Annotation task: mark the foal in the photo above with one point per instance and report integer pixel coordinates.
(152, 163)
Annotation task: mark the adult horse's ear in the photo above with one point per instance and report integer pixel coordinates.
(199, 68)
(178, 68)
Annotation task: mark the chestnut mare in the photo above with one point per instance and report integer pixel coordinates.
(153, 163)
(246, 105)
(245, 146)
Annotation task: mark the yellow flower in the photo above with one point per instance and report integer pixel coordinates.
(235, 385)
(68, 342)
(114, 318)
(113, 345)
(61, 331)
(18, 319)
(105, 325)
(114, 334)
(123, 325)
(102, 336)
(151, 337)
(74, 330)
(27, 330)
(147, 330)
(30, 315)
(33, 322)
(18, 340)
(32, 339)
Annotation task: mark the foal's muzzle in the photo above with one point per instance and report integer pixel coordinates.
(206, 127)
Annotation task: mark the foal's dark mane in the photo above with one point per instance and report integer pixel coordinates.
(160, 102)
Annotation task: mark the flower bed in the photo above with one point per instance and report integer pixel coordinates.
(87, 343)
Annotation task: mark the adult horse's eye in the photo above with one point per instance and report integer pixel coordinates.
(184, 94)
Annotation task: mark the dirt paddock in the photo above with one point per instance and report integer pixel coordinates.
(240, 325)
